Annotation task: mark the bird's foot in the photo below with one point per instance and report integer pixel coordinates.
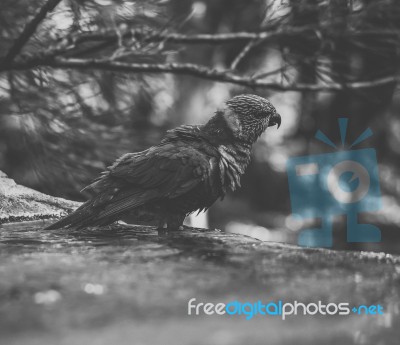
(170, 228)
(176, 228)
(174, 223)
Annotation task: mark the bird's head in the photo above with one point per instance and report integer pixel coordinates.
(248, 116)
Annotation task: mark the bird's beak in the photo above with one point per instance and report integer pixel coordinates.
(275, 120)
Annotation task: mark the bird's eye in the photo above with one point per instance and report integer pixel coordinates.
(260, 113)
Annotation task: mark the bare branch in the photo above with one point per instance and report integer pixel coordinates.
(29, 30)
(201, 72)
(189, 39)
(71, 44)
(109, 37)
(223, 37)
(243, 53)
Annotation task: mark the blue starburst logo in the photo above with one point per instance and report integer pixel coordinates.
(344, 182)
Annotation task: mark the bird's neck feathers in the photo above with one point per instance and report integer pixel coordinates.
(228, 124)
(223, 132)
(216, 129)
(224, 128)
(219, 132)
(233, 124)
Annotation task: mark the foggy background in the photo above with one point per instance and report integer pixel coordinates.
(67, 110)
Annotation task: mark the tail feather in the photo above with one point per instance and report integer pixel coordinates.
(85, 215)
(104, 209)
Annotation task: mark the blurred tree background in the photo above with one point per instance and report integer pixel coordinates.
(83, 81)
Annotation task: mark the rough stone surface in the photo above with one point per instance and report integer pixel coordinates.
(131, 285)
(18, 203)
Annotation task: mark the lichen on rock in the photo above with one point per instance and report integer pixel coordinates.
(19, 203)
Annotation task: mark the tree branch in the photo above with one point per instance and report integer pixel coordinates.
(243, 53)
(106, 38)
(188, 39)
(29, 30)
(109, 37)
(221, 38)
(201, 72)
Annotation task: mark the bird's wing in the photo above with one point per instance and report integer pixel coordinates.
(172, 169)
(165, 171)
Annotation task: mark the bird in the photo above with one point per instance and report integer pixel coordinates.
(191, 168)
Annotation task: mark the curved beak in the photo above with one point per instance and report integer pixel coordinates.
(275, 120)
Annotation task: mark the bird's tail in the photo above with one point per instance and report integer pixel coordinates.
(85, 215)
(104, 209)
